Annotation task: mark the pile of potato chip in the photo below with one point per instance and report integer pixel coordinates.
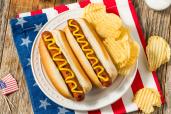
(116, 37)
(146, 98)
(124, 50)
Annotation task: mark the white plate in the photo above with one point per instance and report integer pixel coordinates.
(96, 98)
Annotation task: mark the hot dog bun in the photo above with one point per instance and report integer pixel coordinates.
(98, 48)
(53, 72)
(60, 38)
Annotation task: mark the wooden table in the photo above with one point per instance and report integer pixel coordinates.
(153, 23)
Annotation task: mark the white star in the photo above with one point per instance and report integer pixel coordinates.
(21, 22)
(62, 110)
(37, 27)
(44, 104)
(29, 62)
(25, 41)
(35, 84)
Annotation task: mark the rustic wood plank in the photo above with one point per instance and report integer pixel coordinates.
(58, 2)
(46, 4)
(24, 5)
(4, 6)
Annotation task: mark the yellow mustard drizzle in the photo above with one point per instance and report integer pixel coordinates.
(64, 62)
(80, 39)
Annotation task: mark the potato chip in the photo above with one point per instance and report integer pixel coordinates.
(146, 98)
(108, 26)
(134, 48)
(134, 53)
(94, 17)
(93, 8)
(124, 30)
(93, 12)
(113, 19)
(106, 31)
(119, 50)
(124, 71)
(158, 52)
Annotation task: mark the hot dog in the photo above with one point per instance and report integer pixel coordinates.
(90, 52)
(62, 67)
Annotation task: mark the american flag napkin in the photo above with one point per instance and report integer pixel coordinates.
(26, 27)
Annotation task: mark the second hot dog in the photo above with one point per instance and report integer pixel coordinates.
(90, 52)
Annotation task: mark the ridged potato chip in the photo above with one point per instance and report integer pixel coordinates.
(124, 71)
(93, 12)
(94, 17)
(108, 25)
(113, 19)
(106, 30)
(124, 52)
(124, 30)
(158, 52)
(119, 50)
(134, 52)
(93, 8)
(146, 98)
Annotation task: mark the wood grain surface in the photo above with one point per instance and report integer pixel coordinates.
(153, 23)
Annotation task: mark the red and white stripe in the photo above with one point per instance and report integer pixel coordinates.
(11, 84)
(143, 78)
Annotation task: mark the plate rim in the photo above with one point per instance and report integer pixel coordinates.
(33, 71)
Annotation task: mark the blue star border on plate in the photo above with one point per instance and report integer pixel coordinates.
(24, 31)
